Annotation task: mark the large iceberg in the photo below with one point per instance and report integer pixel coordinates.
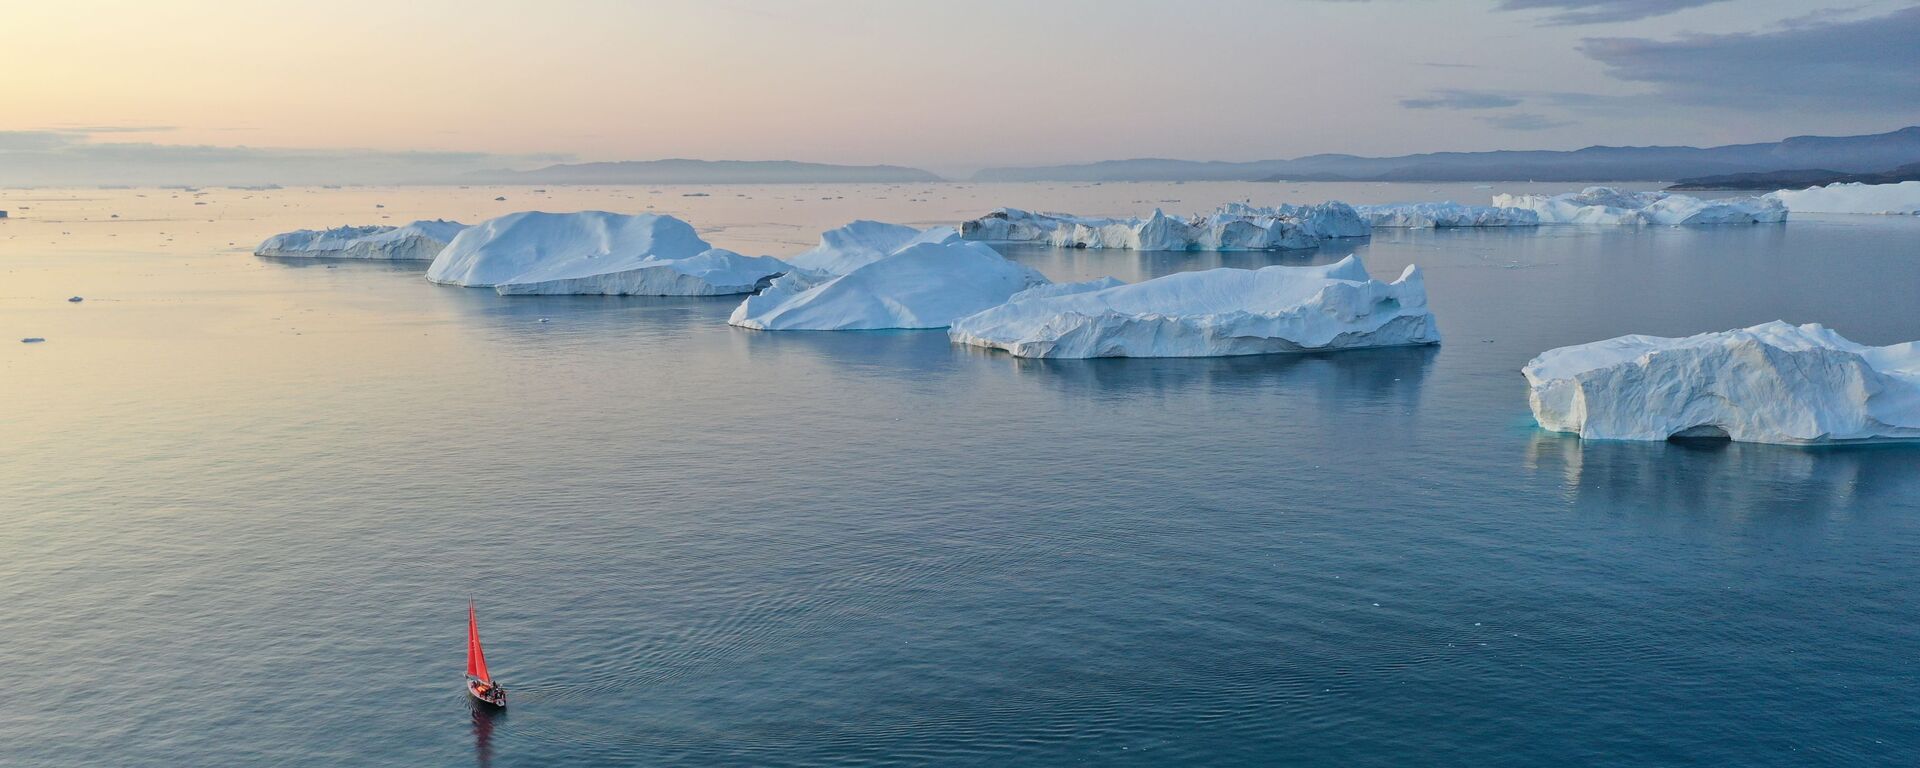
(926, 285)
(419, 241)
(1447, 215)
(860, 243)
(1609, 206)
(1232, 227)
(1215, 312)
(595, 252)
(1772, 383)
(1901, 198)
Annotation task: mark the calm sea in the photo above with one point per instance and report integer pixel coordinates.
(243, 504)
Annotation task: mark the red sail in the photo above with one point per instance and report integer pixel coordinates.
(476, 660)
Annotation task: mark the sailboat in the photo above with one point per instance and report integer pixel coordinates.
(480, 685)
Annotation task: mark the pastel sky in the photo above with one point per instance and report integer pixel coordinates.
(951, 85)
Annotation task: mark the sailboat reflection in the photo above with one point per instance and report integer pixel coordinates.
(483, 720)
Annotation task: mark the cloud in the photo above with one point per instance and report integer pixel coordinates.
(1859, 66)
(93, 129)
(1523, 121)
(32, 141)
(1457, 99)
(59, 158)
(1603, 11)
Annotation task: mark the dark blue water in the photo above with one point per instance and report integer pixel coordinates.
(241, 529)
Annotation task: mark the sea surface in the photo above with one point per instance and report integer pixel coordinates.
(243, 504)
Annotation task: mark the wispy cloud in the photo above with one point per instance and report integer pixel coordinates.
(1523, 121)
(93, 129)
(1859, 66)
(1459, 99)
(1602, 11)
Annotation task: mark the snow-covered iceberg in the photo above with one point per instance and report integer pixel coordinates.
(1772, 383)
(860, 243)
(419, 241)
(1609, 206)
(1902, 198)
(595, 252)
(1232, 227)
(1447, 215)
(1216, 312)
(926, 285)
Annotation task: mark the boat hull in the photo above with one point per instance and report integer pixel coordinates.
(496, 697)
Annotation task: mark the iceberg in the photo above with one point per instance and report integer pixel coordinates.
(419, 241)
(860, 243)
(1215, 312)
(1609, 206)
(595, 252)
(1232, 227)
(1771, 383)
(1902, 198)
(926, 285)
(1446, 215)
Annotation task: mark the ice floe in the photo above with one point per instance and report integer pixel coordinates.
(926, 285)
(1446, 215)
(1609, 206)
(1216, 312)
(419, 241)
(844, 249)
(1232, 227)
(1771, 383)
(596, 252)
(1902, 198)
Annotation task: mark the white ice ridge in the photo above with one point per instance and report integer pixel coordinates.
(860, 243)
(595, 252)
(1216, 312)
(1901, 198)
(1772, 383)
(926, 285)
(1232, 227)
(1447, 215)
(419, 241)
(1606, 205)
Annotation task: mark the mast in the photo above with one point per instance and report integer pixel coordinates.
(476, 658)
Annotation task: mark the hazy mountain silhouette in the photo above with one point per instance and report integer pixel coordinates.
(1798, 178)
(678, 171)
(1846, 154)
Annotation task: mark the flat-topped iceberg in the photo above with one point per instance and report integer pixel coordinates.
(860, 243)
(419, 241)
(1902, 198)
(1609, 206)
(595, 252)
(1216, 312)
(926, 285)
(1772, 383)
(1446, 215)
(1232, 227)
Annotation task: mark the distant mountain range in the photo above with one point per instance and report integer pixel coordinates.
(1798, 179)
(702, 172)
(1855, 154)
